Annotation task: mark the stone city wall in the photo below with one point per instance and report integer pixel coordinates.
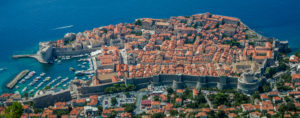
(51, 98)
(63, 52)
(181, 80)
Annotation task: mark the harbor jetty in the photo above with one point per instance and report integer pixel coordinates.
(37, 57)
(13, 82)
(44, 54)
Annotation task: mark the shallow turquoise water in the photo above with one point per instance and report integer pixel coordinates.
(23, 23)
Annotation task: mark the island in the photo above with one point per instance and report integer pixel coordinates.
(185, 65)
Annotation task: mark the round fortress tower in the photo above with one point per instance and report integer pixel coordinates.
(247, 83)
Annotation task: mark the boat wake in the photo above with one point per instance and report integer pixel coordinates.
(2, 69)
(64, 27)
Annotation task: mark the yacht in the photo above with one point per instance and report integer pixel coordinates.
(30, 75)
(51, 82)
(2, 69)
(37, 78)
(40, 84)
(47, 78)
(79, 73)
(42, 74)
(22, 81)
(24, 89)
(68, 57)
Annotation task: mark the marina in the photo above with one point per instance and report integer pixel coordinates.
(35, 80)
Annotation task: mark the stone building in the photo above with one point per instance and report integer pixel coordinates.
(248, 83)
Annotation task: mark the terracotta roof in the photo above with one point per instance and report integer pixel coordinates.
(155, 103)
(201, 114)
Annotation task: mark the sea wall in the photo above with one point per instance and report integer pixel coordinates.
(64, 52)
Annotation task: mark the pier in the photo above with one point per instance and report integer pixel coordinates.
(13, 82)
(36, 57)
(43, 55)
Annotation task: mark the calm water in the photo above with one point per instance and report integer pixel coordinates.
(23, 23)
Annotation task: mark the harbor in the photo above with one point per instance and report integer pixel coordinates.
(36, 82)
(13, 82)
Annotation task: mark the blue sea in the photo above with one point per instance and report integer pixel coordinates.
(24, 23)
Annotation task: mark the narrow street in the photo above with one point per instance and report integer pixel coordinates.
(138, 101)
(208, 101)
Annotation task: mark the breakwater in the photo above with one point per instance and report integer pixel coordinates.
(13, 82)
(47, 53)
(44, 55)
(36, 57)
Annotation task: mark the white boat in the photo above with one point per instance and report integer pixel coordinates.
(32, 73)
(22, 81)
(27, 77)
(40, 84)
(50, 83)
(48, 78)
(62, 81)
(24, 89)
(2, 69)
(42, 74)
(64, 27)
(79, 73)
(37, 78)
